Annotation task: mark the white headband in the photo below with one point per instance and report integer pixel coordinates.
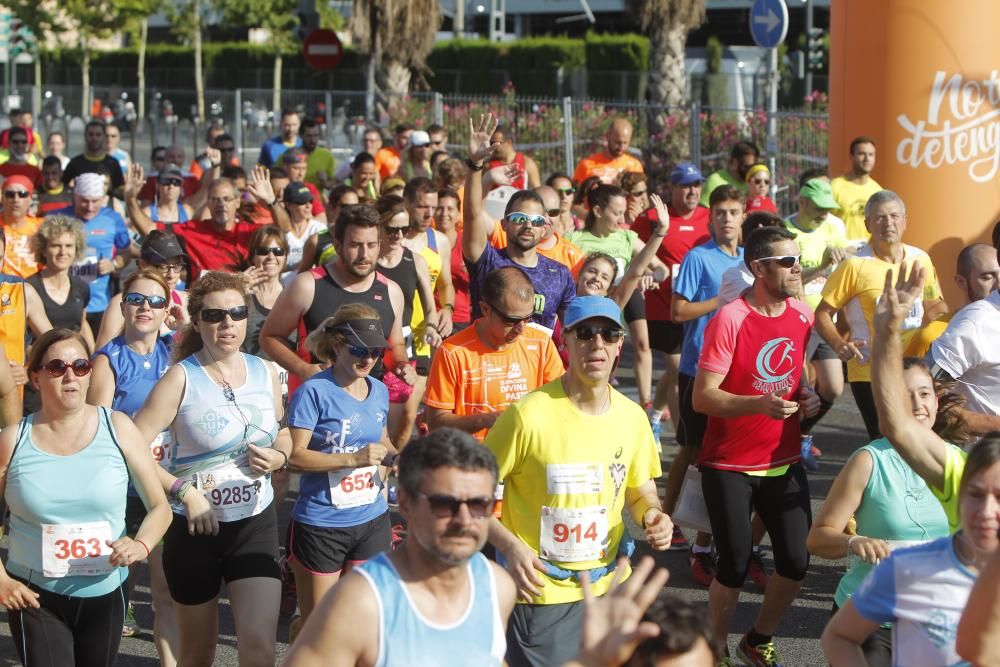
(90, 186)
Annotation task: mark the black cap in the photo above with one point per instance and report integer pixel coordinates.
(171, 172)
(362, 333)
(162, 247)
(297, 193)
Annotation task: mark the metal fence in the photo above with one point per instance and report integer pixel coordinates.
(555, 131)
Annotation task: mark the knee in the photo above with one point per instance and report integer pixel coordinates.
(256, 650)
(196, 655)
(794, 565)
(732, 565)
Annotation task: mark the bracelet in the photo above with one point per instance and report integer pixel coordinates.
(175, 487)
(183, 491)
(285, 464)
(450, 306)
(473, 166)
(850, 541)
(143, 546)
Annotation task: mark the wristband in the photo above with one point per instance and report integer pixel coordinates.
(183, 491)
(285, 464)
(850, 541)
(449, 306)
(175, 487)
(143, 546)
(473, 166)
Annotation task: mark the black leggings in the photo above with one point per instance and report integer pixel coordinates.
(67, 631)
(877, 647)
(865, 401)
(782, 503)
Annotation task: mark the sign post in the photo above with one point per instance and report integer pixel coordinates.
(768, 27)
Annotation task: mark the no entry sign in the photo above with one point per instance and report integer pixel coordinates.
(322, 49)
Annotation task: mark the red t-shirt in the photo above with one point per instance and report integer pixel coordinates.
(210, 248)
(460, 280)
(684, 234)
(33, 174)
(757, 355)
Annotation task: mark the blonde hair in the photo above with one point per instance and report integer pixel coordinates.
(52, 228)
(324, 340)
(146, 274)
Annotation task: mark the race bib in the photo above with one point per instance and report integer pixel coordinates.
(160, 447)
(76, 549)
(574, 535)
(354, 487)
(574, 478)
(86, 268)
(233, 494)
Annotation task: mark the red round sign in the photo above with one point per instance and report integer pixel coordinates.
(322, 49)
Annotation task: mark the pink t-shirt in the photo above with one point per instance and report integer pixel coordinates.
(757, 355)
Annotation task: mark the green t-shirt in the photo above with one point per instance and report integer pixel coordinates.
(812, 246)
(717, 178)
(954, 468)
(320, 160)
(618, 244)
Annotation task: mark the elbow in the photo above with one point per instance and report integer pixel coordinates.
(700, 402)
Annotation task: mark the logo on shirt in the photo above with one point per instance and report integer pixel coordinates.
(212, 423)
(617, 471)
(774, 366)
(940, 628)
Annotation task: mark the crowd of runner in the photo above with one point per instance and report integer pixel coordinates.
(428, 336)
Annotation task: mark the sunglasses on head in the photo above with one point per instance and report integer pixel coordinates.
(216, 315)
(610, 334)
(273, 250)
(171, 182)
(365, 352)
(520, 219)
(509, 320)
(784, 261)
(136, 299)
(57, 367)
(20, 194)
(446, 507)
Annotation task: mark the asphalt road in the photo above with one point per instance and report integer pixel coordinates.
(838, 435)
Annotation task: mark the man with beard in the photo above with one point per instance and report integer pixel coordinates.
(609, 163)
(742, 156)
(320, 165)
(853, 189)
(434, 600)
(274, 148)
(552, 244)
(524, 223)
(750, 383)
(95, 158)
(348, 277)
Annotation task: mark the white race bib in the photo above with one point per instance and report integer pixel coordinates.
(574, 478)
(160, 447)
(354, 487)
(234, 495)
(76, 549)
(574, 535)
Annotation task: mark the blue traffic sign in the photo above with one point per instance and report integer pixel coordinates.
(769, 22)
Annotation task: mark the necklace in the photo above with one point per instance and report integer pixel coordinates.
(227, 389)
(145, 357)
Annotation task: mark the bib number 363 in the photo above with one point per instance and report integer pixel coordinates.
(354, 487)
(574, 535)
(79, 549)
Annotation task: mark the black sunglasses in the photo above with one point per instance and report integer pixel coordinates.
(136, 299)
(608, 334)
(392, 231)
(20, 194)
(57, 368)
(216, 315)
(446, 507)
(274, 250)
(784, 261)
(509, 320)
(168, 182)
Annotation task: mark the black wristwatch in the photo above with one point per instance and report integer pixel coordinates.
(473, 166)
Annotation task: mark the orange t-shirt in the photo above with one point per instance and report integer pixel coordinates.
(565, 252)
(387, 161)
(467, 377)
(608, 169)
(18, 257)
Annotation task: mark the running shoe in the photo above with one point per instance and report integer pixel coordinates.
(808, 457)
(130, 628)
(678, 542)
(398, 534)
(702, 567)
(757, 572)
(762, 655)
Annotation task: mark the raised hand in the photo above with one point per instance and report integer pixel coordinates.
(135, 178)
(898, 298)
(259, 185)
(480, 133)
(661, 213)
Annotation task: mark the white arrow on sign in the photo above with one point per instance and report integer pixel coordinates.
(771, 20)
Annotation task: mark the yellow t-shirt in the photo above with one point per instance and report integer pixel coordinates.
(433, 258)
(954, 468)
(565, 475)
(852, 199)
(812, 247)
(856, 286)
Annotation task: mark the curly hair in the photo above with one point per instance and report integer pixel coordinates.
(209, 283)
(52, 228)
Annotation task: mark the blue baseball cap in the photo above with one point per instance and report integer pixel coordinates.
(686, 173)
(582, 308)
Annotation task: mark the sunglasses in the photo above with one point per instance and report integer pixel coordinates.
(171, 182)
(446, 507)
(20, 194)
(520, 219)
(392, 231)
(553, 212)
(566, 192)
(365, 352)
(264, 252)
(57, 368)
(216, 315)
(169, 268)
(784, 261)
(587, 332)
(159, 158)
(226, 149)
(509, 320)
(136, 299)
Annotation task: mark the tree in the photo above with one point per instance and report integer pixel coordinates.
(278, 18)
(92, 20)
(39, 19)
(667, 24)
(138, 29)
(398, 35)
(185, 21)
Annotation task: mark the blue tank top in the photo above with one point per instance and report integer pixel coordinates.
(212, 430)
(340, 424)
(85, 487)
(154, 214)
(476, 639)
(135, 374)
